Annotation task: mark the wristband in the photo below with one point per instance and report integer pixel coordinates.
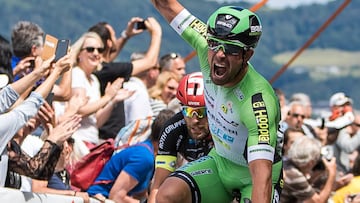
(124, 35)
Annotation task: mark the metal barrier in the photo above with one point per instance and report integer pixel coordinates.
(9, 195)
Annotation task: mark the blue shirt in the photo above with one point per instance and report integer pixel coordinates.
(136, 160)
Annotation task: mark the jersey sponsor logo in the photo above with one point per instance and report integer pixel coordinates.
(226, 21)
(208, 99)
(223, 108)
(225, 24)
(227, 107)
(175, 125)
(160, 162)
(262, 119)
(256, 28)
(221, 133)
(201, 172)
(193, 103)
(239, 94)
(219, 123)
(184, 21)
(168, 130)
(233, 123)
(199, 27)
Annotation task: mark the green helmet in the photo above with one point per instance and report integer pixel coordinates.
(235, 24)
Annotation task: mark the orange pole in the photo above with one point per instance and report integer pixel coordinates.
(312, 38)
(253, 9)
(258, 5)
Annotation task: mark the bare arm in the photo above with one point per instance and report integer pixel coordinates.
(168, 8)
(261, 171)
(324, 194)
(91, 107)
(40, 186)
(25, 83)
(103, 114)
(159, 177)
(120, 42)
(123, 184)
(61, 66)
(152, 54)
(62, 92)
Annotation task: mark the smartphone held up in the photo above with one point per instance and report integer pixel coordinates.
(54, 46)
(140, 25)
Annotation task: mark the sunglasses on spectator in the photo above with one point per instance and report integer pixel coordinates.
(229, 48)
(92, 49)
(169, 56)
(356, 124)
(156, 68)
(296, 115)
(199, 112)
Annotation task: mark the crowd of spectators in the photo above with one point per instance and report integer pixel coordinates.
(54, 112)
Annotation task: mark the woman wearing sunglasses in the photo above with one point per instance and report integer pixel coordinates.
(87, 57)
(186, 136)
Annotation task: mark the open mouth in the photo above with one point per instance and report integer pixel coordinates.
(219, 70)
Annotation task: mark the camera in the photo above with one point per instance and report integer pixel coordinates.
(140, 25)
(327, 153)
(32, 64)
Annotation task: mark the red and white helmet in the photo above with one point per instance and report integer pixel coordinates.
(191, 90)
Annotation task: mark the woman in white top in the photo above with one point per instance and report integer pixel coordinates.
(87, 56)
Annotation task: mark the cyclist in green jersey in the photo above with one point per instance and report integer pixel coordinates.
(242, 110)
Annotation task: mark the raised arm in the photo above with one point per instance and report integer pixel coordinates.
(152, 54)
(168, 8)
(26, 82)
(126, 34)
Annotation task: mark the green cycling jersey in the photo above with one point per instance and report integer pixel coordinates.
(243, 121)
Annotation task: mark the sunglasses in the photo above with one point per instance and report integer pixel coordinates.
(169, 56)
(199, 112)
(92, 49)
(296, 115)
(356, 124)
(229, 48)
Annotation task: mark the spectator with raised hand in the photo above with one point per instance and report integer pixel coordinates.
(111, 70)
(348, 140)
(114, 45)
(353, 198)
(342, 113)
(298, 171)
(59, 183)
(42, 165)
(87, 56)
(15, 119)
(186, 136)
(127, 175)
(27, 44)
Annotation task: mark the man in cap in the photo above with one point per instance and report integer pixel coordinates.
(342, 113)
